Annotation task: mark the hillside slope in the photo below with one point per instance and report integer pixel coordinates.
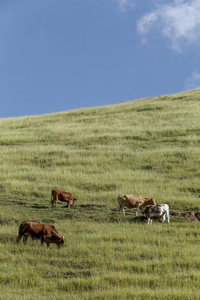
(148, 147)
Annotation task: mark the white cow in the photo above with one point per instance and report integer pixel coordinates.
(160, 210)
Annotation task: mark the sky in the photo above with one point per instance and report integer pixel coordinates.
(59, 55)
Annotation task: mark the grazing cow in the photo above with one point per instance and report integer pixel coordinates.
(62, 196)
(160, 210)
(45, 232)
(134, 201)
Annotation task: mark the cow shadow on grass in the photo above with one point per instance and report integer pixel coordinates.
(91, 206)
(138, 219)
(128, 218)
(38, 206)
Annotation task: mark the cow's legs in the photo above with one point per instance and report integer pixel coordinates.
(167, 218)
(21, 233)
(55, 201)
(25, 237)
(46, 241)
(122, 209)
(54, 198)
(45, 238)
(149, 221)
(137, 207)
(19, 238)
(42, 241)
(163, 218)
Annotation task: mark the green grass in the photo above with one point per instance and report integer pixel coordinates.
(104, 261)
(148, 147)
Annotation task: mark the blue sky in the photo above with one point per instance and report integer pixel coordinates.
(58, 55)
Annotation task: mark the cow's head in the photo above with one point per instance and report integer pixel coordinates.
(71, 201)
(60, 242)
(147, 210)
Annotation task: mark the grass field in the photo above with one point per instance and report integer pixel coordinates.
(148, 147)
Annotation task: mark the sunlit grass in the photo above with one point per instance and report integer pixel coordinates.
(148, 147)
(100, 259)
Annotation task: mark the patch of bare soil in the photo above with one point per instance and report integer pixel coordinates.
(190, 216)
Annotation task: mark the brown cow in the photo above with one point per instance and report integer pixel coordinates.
(45, 232)
(134, 201)
(57, 194)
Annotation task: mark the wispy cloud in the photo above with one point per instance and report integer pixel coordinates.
(124, 4)
(179, 22)
(193, 81)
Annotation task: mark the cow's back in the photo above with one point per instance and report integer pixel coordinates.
(31, 227)
(65, 196)
(131, 201)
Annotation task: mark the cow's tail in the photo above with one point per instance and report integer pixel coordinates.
(118, 208)
(52, 200)
(21, 232)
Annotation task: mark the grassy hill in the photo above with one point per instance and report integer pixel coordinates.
(148, 147)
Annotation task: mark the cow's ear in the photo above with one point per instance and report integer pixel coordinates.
(63, 237)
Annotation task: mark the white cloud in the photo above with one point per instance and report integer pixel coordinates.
(193, 81)
(124, 4)
(179, 22)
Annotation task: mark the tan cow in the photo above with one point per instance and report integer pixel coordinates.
(45, 232)
(134, 201)
(57, 194)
